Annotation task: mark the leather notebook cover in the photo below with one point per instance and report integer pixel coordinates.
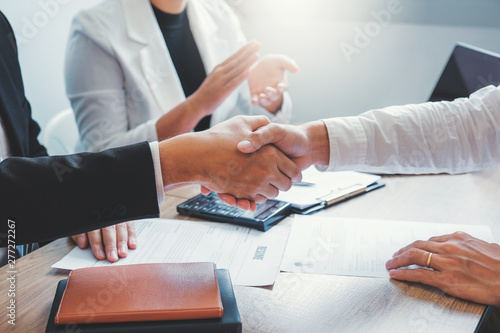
(229, 323)
(142, 292)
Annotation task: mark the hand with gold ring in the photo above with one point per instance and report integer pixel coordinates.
(461, 266)
(429, 259)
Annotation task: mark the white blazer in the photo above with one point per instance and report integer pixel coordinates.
(120, 78)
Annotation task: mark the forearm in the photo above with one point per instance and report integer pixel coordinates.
(452, 137)
(182, 161)
(181, 119)
(52, 197)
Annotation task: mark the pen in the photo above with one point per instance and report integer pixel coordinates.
(304, 184)
(326, 203)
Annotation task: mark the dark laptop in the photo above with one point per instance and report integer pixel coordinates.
(468, 69)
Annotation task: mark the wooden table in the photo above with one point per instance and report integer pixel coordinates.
(318, 303)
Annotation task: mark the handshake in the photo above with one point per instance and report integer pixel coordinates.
(246, 160)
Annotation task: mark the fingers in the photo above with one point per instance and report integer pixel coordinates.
(270, 191)
(417, 253)
(253, 205)
(289, 64)
(261, 137)
(241, 60)
(270, 95)
(459, 235)
(246, 204)
(412, 257)
(263, 100)
(95, 240)
(443, 238)
(291, 171)
(204, 190)
(257, 122)
(81, 240)
(421, 275)
(280, 169)
(132, 236)
(261, 199)
(282, 87)
(246, 51)
(122, 238)
(109, 238)
(234, 70)
(230, 200)
(234, 78)
(112, 242)
(429, 246)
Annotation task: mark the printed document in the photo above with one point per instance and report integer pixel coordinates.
(358, 247)
(253, 257)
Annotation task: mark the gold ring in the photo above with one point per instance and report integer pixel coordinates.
(429, 258)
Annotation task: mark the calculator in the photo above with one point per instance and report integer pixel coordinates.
(210, 207)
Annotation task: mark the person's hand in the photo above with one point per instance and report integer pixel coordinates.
(306, 144)
(461, 266)
(225, 77)
(210, 158)
(232, 201)
(268, 80)
(109, 243)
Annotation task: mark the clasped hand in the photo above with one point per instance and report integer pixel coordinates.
(221, 168)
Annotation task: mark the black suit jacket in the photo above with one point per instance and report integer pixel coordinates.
(51, 197)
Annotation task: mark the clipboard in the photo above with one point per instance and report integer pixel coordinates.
(319, 190)
(336, 198)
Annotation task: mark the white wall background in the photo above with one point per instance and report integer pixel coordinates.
(399, 64)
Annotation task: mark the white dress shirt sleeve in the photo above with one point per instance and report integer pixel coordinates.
(451, 137)
(155, 152)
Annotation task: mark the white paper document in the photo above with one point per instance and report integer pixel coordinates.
(317, 186)
(253, 257)
(358, 247)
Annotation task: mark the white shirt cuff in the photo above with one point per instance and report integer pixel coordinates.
(348, 144)
(155, 153)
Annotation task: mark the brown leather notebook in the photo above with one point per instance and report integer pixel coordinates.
(142, 292)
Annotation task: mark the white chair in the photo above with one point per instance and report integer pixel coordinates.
(60, 136)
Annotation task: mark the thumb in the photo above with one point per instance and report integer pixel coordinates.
(247, 145)
(260, 137)
(289, 64)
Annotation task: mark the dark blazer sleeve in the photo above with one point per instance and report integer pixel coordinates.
(15, 110)
(52, 197)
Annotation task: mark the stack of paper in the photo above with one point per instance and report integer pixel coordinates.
(252, 257)
(358, 247)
